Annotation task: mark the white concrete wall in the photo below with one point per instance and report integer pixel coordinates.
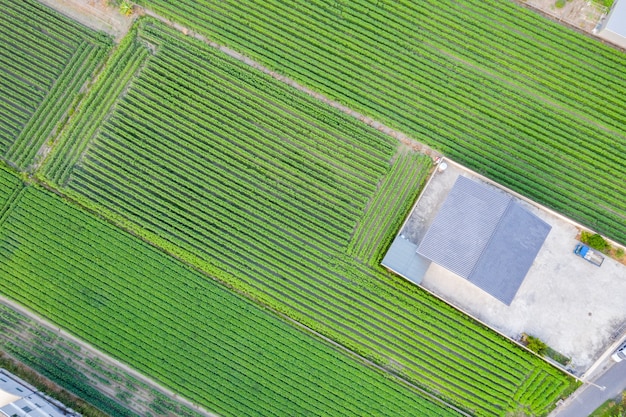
(613, 37)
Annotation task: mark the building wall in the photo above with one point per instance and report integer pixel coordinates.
(613, 37)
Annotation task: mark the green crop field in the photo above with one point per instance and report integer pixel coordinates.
(189, 332)
(526, 101)
(282, 198)
(45, 60)
(10, 187)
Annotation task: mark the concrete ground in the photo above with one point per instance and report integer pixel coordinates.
(96, 14)
(575, 307)
(582, 14)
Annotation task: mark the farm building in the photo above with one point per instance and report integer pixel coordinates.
(480, 233)
(19, 399)
(613, 28)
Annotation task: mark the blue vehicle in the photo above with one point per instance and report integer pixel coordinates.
(589, 254)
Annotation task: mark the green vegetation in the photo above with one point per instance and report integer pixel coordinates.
(45, 60)
(52, 354)
(50, 388)
(557, 356)
(284, 199)
(10, 185)
(472, 91)
(595, 241)
(126, 7)
(606, 3)
(192, 334)
(559, 4)
(387, 208)
(536, 345)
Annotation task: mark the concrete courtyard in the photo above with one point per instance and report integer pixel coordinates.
(577, 308)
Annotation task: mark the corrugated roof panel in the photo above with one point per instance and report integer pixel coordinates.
(463, 226)
(483, 235)
(510, 253)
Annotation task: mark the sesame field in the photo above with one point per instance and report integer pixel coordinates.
(221, 231)
(284, 199)
(526, 101)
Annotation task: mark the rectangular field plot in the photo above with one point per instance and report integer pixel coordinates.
(45, 59)
(175, 325)
(285, 199)
(10, 187)
(524, 100)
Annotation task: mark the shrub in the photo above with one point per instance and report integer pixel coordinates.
(536, 345)
(595, 241)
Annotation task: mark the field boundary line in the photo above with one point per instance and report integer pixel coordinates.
(396, 134)
(98, 353)
(302, 327)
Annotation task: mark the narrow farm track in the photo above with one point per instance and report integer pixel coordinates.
(262, 187)
(461, 77)
(300, 87)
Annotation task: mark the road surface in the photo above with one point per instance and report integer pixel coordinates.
(588, 398)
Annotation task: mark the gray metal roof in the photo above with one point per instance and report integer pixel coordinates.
(616, 20)
(402, 259)
(28, 402)
(482, 234)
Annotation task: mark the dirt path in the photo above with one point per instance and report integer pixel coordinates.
(107, 364)
(418, 146)
(94, 14)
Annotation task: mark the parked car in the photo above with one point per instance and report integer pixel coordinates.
(620, 354)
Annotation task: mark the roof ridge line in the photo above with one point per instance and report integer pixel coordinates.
(495, 229)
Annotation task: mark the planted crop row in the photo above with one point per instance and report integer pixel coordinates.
(199, 338)
(48, 59)
(11, 187)
(261, 187)
(388, 206)
(420, 67)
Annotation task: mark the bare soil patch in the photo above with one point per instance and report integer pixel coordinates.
(96, 14)
(582, 14)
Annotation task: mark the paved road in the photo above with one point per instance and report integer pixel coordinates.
(588, 398)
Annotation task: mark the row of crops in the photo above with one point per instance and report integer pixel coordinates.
(189, 332)
(267, 190)
(528, 102)
(45, 61)
(388, 207)
(72, 367)
(10, 185)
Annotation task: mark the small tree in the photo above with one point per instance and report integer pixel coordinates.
(536, 345)
(597, 242)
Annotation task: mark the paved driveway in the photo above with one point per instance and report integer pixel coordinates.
(573, 306)
(590, 397)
